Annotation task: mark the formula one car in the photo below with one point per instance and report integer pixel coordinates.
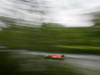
(55, 56)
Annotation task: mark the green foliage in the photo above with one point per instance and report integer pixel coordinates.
(48, 38)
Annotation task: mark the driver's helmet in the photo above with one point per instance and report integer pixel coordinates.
(62, 55)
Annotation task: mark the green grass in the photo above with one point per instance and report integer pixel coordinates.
(61, 39)
(80, 47)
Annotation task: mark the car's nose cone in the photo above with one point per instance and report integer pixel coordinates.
(55, 56)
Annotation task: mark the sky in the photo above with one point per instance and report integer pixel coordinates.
(69, 13)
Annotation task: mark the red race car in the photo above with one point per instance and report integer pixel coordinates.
(55, 56)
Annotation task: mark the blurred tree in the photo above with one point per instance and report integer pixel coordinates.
(96, 19)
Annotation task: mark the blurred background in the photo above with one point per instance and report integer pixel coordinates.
(32, 29)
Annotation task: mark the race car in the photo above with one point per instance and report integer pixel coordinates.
(55, 56)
